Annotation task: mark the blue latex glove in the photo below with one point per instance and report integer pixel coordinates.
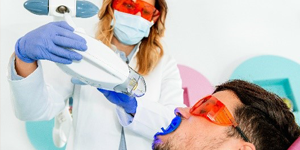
(52, 42)
(128, 103)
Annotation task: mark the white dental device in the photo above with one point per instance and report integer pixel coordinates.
(102, 68)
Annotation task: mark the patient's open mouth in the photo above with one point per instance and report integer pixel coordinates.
(172, 127)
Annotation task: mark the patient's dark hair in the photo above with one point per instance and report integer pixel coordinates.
(264, 117)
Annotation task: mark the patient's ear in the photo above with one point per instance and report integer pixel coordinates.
(247, 146)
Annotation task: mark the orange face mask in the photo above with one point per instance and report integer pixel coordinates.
(146, 10)
(216, 112)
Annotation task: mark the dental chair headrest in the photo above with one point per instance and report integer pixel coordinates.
(295, 145)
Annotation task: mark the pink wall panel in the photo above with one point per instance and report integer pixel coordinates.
(195, 85)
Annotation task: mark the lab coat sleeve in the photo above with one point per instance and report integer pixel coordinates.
(32, 98)
(124, 118)
(152, 115)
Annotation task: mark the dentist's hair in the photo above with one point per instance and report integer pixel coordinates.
(151, 49)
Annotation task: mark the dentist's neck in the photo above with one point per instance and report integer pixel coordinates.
(122, 47)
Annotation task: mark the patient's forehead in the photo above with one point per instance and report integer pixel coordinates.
(229, 99)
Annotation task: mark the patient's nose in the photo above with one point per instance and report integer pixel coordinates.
(183, 112)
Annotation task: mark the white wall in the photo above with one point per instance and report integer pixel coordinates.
(212, 36)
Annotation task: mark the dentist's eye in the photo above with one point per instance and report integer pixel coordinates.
(129, 6)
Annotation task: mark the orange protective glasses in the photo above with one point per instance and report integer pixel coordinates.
(146, 10)
(216, 112)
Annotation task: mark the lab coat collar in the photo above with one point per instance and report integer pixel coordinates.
(132, 53)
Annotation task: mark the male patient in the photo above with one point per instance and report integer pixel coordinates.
(238, 116)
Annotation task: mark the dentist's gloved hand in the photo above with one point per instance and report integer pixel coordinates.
(51, 42)
(128, 103)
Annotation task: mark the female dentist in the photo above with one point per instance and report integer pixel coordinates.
(101, 119)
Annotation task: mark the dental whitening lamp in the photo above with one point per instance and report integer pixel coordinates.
(100, 67)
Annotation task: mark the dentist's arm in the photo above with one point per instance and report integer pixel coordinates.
(24, 69)
(40, 96)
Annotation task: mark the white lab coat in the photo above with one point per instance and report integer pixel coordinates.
(96, 121)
